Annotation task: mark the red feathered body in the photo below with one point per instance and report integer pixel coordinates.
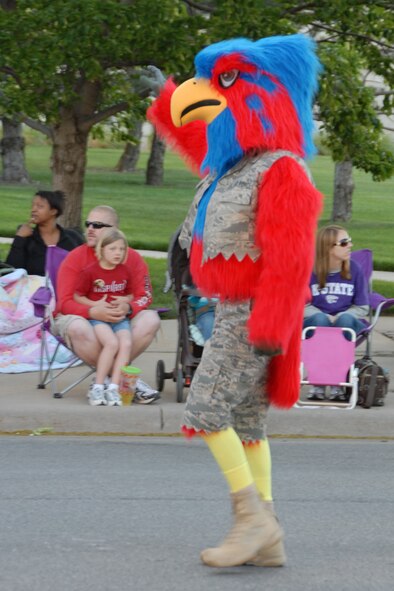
(285, 218)
(277, 281)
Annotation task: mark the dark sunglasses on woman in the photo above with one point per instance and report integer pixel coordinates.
(343, 242)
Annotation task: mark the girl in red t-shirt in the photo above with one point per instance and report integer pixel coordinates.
(105, 280)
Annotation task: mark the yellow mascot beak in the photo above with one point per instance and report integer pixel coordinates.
(196, 99)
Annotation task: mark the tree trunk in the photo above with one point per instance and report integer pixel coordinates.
(68, 166)
(12, 148)
(343, 191)
(128, 160)
(155, 169)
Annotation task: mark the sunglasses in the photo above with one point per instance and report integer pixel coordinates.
(96, 225)
(343, 242)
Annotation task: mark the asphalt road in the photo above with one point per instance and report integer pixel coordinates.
(117, 514)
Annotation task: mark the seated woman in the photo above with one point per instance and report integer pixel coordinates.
(339, 292)
(29, 247)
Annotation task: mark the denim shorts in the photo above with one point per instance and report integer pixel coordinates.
(115, 326)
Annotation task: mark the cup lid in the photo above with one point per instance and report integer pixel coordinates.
(130, 369)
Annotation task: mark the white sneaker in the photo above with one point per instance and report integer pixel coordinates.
(144, 394)
(96, 396)
(317, 393)
(107, 382)
(112, 395)
(196, 335)
(337, 393)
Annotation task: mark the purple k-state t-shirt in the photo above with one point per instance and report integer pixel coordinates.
(339, 294)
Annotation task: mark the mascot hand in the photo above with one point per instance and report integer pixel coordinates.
(267, 350)
(150, 82)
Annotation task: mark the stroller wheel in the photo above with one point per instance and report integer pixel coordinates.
(160, 375)
(179, 385)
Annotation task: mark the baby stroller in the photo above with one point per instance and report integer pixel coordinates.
(189, 346)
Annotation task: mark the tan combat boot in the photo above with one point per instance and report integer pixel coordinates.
(274, 555)
(255, 529)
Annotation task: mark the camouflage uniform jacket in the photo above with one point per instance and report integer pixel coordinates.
(231, 214)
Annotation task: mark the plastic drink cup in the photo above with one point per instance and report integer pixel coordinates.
(128, 380)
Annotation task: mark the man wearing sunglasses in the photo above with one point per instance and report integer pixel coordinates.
(71, 318)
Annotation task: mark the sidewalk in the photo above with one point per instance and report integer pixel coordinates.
(24, 409)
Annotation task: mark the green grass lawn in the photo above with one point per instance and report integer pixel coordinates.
(150, 215)
(158, 267)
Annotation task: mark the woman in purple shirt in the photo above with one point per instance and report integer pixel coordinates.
(339, 292)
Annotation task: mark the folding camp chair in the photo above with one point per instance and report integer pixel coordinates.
(327, 359)
(377, 302)
(43, 301)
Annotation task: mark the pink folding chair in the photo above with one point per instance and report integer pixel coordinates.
(327, 359)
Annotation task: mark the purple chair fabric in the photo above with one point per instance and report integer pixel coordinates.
(364, 258)
(377, 302)
(54, 257)
(42, 297)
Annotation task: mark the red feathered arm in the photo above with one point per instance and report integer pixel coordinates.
(288, 209)
(189, 142)
(283, 381)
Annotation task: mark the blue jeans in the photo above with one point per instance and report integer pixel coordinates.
(121, 325)
(205, 322)
(342, 321)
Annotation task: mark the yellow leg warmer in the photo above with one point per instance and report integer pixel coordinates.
(227, 449)
(259, 458)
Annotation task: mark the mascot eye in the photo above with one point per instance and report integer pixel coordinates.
(227, 79)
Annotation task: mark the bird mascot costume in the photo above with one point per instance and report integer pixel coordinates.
(245, 123)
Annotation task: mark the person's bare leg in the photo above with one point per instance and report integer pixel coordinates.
(110, 346)
(123, 355)
(84, 341)
(144, 328)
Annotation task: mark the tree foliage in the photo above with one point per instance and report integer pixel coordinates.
(352, 128)
(355, 39)
(54, 46)
(70, 65)
(355, 44)
(65, 67)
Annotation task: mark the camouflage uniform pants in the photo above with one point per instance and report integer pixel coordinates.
(228, 386)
